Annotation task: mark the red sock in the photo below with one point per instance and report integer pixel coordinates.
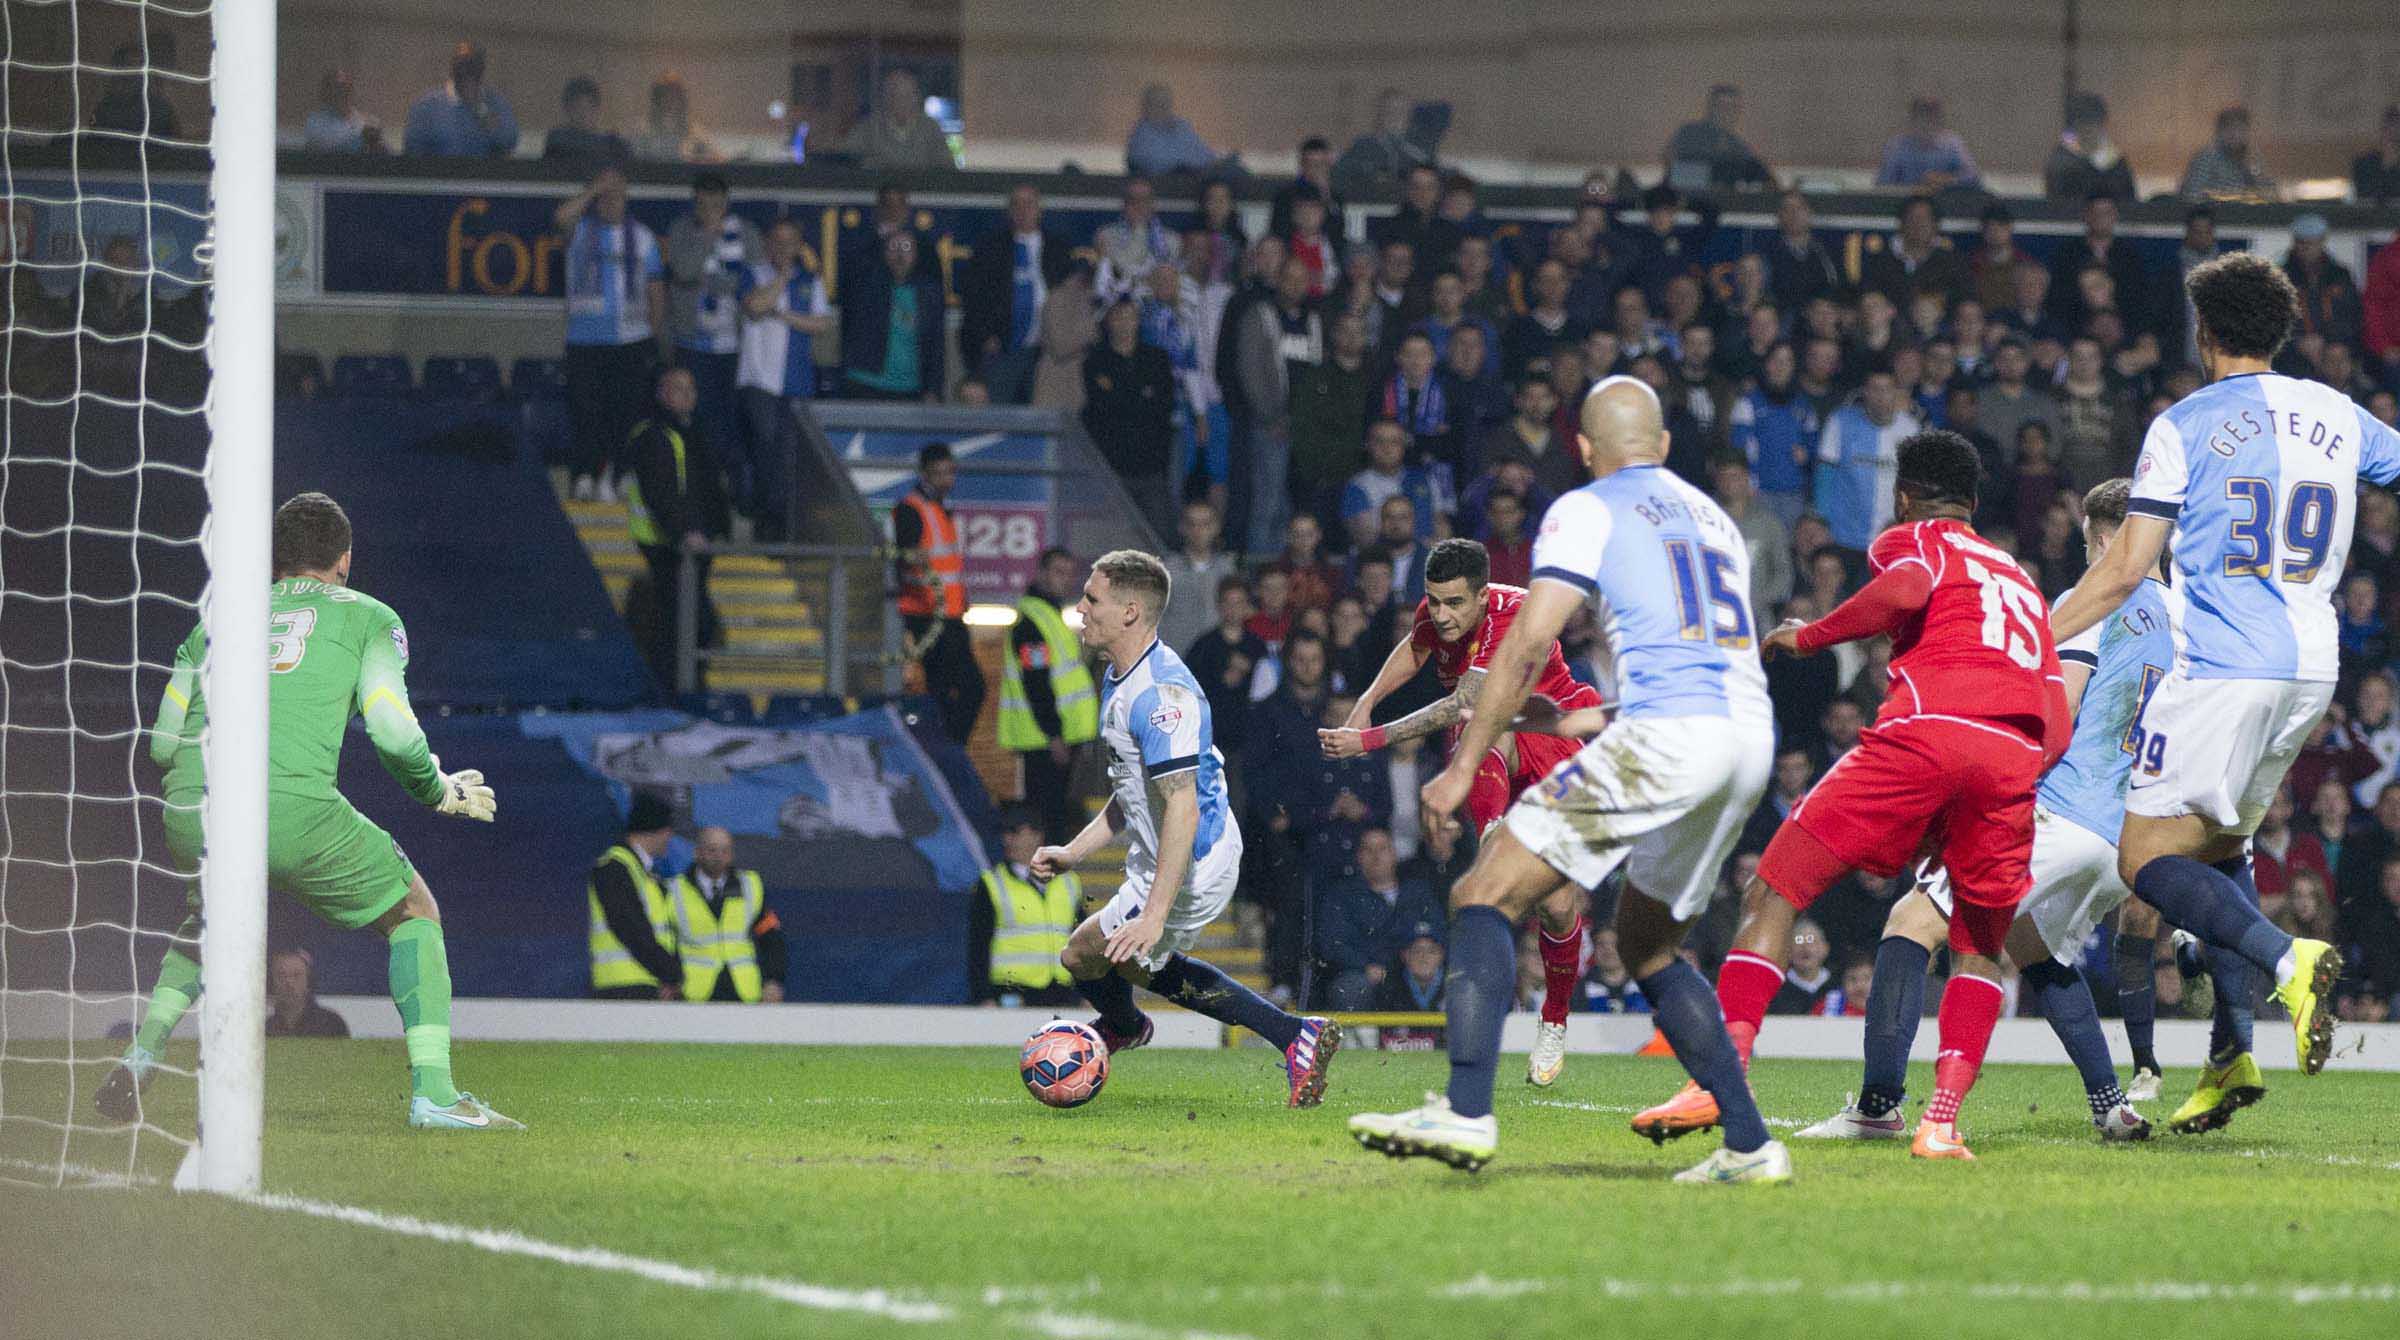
(1744, 986)
(1970, 1007)
(1562, 967)
(1487, 795)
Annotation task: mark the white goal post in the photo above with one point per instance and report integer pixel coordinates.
(241, 421)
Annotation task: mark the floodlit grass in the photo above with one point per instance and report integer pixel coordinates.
(921, 1192)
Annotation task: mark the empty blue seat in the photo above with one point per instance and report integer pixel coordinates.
(726, 709)
(798, 709)
(529, 377)
(474, 376)
(371, 374)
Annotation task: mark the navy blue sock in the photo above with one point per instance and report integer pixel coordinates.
(2067, 1003)
(2137, 997)
(1895, 1006)
(1203, 988)
(1112, 996)
(1482, 981)
(2211, 903)
(1685, 1008)
(2236, 1005)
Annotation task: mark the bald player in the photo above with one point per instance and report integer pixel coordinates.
(1663, 788)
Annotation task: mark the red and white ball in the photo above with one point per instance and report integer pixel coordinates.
(1064, 1063)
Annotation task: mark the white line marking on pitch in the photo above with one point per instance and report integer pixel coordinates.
(1481, 1287)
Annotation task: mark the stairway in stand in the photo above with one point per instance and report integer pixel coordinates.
(768, 622)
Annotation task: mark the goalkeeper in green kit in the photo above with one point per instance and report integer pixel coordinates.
(331, 651)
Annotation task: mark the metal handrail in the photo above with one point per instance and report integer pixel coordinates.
(690, 655)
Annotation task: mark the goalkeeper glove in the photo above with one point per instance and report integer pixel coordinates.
(464, 794)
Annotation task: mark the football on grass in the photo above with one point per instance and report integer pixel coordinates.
(1064, 1063)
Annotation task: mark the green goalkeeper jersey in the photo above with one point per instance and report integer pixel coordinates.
(331, 651)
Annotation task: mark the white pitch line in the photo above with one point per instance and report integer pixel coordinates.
(1485, 1287)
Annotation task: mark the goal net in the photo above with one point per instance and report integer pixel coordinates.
(135, 413)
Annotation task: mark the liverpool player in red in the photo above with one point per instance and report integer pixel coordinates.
(1460, 623)
(1975, 711)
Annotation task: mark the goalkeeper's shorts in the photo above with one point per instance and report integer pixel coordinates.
(337, 862)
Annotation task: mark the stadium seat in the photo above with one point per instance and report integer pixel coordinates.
(528, 377)
(726, 709)
(798, 709)
(371, 374)
(298, 374)
(475, 376)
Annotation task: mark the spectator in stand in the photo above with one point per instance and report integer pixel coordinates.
(1315, 175)
(1928, 154)
(1418, 987)
(1918, 261)
(1364, 921)
(1378, 158)
(1197, 565)
(893, 344)
(900, 136)
(1277, 339)
(2365, 641)
(2375, 174)
(1281, 749)
(1329, 418)
(1017, 926)
(1161, 142)
(1383, 478)
(2329, 298)
(1711, 152)
(581, 141)
(133, 99)
(669, 136)
(1309, 243)
(2011, 401)
(1170, 303)
(708, 252)
(1775, 428)
(2373, 731)
(1136, 242)
(1312, 579)
(784, 309)
(1993, 267)
(1416, 398)
(1070, 323)
(1129, 409)
(2308, 907)
(1802, 269)
(2099, 245)
(1763, 533)
(1856, 455)
(2085, 161)
(2096, 420)
(2027, 315)
(464, 118)
(1048, 706)
(2372, 923)
(2227, 168)
(616, 305)
(335, 125)
(1486, 296)
(1224, 659)
(929, 572)
(1505, 540)
(1545, 323)
(1432, 239)
(1608, 988)
(1662, 249)
(1849, 999)
(1001, 288)
(1807, 981)
(1447, 312)
(293, 1010)
(1220, 231)
(1397, 299)
(675, 507)
(1530, 439)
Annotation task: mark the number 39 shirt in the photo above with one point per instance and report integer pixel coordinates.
(1980, 649)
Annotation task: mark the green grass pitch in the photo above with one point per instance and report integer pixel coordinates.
(920, 1192)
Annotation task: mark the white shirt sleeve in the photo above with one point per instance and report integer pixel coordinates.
(1573, 537)
(2083, 648)
(2160, 476)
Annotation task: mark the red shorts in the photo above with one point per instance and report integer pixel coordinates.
(1968, 783)
(1536, 756)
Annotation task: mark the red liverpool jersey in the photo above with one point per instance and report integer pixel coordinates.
(1980, 648)
(1474, 651)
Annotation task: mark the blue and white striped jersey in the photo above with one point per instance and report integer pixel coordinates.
(2128, 652)
(1673, 576)
(1154, 720)
(2259, 473)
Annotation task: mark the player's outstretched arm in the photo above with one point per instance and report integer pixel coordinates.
(1052, 861)
(1877, 608)
(1178, 828)
(1430, 719)
(1350, 739)
(2131, 556)
(1549, 603)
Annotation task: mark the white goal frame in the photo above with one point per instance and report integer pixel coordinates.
(241, 420)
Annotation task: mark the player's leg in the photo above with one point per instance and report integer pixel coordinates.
(1561, 932)
(1684, 1006)
(2213, 765)
(1916, 926)
(1121, 1023)
(420, 987)
(2067, 1006)
(1486, 903)
(176, 988)
(2133, 955)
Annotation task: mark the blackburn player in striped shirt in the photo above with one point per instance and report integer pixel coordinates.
(2253, 480)
(1183, 851)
